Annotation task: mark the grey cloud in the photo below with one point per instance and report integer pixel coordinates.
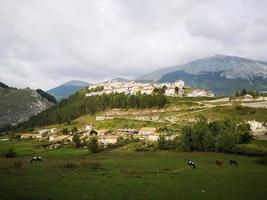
(46, 42)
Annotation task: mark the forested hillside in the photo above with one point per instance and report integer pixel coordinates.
(77, 105)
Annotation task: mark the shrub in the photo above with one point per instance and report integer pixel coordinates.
(262, 160)
(10, 153)
(220, 135)
(91, 164)
(68, 165)
(18, 164)
(93, 145)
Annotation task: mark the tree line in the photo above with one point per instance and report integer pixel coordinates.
(78, 104)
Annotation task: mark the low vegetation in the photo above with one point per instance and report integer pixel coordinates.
(9, 153)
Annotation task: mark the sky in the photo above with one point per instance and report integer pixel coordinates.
(45, 43)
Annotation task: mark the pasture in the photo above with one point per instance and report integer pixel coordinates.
(122, 174)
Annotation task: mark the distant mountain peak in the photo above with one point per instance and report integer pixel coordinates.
(227, 67)
(66, 89)
(77, 83)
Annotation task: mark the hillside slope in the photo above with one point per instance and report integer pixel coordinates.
(65, 90)
(18, 105)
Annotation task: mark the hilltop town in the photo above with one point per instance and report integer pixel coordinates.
(178, 89)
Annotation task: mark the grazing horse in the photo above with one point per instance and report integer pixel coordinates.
(191, 164)
(36, 158)
(219, 163)
(233, 162)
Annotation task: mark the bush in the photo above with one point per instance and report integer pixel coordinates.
(68, 165)
(164, 144)
(220, 135)
(262, 160)
(91, 164)
(93, 145)
(18, 164)
(10, 153)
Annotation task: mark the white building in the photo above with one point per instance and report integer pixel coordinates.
(147, 131)
(108, 139)
(153, 137)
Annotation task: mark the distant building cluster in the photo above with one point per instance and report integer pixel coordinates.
(176, 89)
(104, 136)
(132, 87)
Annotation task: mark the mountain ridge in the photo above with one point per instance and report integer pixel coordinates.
(228, 67)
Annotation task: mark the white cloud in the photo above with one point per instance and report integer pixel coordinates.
(46, 42)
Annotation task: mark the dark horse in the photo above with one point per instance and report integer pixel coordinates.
(191, 164)
(36, 158)
(233, 162)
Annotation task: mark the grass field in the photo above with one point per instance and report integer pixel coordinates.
(128, 175)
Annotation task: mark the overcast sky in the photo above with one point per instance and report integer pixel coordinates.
(46, 42)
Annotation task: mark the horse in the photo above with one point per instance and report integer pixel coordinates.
(219, 163)
(36, 159)
(233, 162)
(191, 164)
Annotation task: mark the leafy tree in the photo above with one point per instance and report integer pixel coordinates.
(74, 129)
(220, 135)
(76, 140)
(243, 92)
(93, 145)
(93, 132)
(65, 131)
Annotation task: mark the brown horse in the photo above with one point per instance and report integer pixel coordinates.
(219, 163)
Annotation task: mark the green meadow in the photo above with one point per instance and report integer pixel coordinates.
(125, 174)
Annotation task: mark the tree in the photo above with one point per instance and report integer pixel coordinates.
(93, 145)
(65, 131)
(244, 92)
(93, 133)
(76, 140)
(74, 129)
(176, 89)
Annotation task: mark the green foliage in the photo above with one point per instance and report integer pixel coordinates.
(65, 131)
(93, 145)
(220, 135)
(243, 92)
(9, 153)
(47, 96)
(96, 89)
(78, 104)
(160, 91)
(76, 140)
(74, 129)
(164, 144)
(93, 132)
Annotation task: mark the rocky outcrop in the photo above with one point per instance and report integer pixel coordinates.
(18, 105)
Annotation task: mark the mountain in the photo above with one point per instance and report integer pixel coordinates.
(18, 105)
(65, 90)
(220, 73)
(119, 79)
